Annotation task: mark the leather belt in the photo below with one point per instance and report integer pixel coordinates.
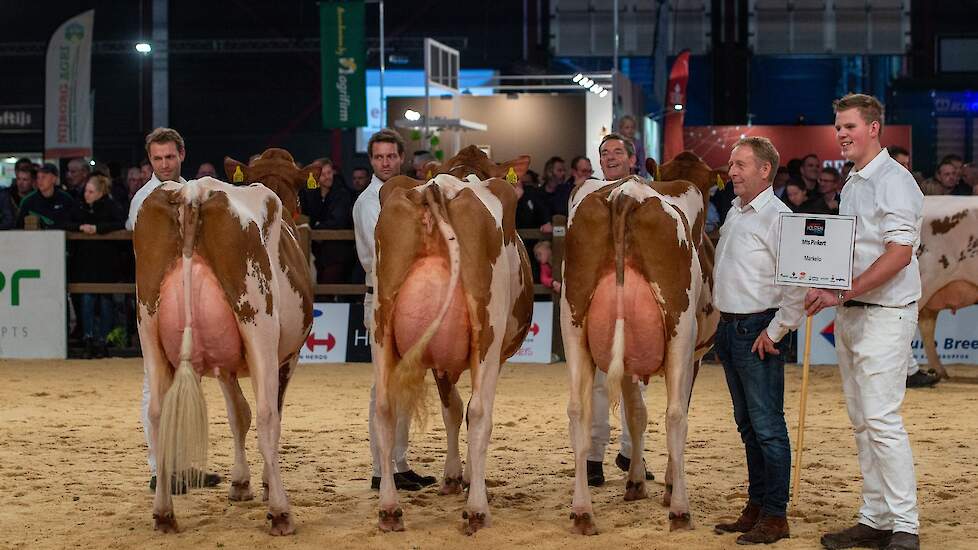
(731, 317)
(857, 303)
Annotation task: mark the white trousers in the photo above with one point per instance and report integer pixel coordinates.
(600, 427)
(872, 343)
(145, 418)
(399, 454)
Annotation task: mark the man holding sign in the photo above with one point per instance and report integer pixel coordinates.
(755, 315)
(875, 325)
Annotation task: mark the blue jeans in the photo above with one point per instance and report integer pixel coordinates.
(106, 312)
(757, 390)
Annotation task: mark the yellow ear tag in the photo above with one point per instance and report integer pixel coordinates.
(511, 176)
(428, 176)
(720, 183)
(311, 182)
(238, 176)
(658, 173)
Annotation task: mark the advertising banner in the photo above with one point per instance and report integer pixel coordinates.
(956, 336)
(343, 59)
(538, 343)
(67, 83)
(327, 341)
(33, 306)
(714, 143)
(673, 139)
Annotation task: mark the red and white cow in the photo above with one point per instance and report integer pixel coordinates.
(454, 293)
(222, 291)
(636, 302)
(948, 260)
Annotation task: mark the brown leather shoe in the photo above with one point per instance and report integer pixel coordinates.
(903, 541)
(748, 517)
(767, 530)
(857, 536)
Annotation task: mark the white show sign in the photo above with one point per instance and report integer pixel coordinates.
(327, 340)
(538, 344)
(33, 310)
(816, 250)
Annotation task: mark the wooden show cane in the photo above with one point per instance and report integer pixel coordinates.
(800, 440)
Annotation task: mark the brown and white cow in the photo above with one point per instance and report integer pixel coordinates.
(948, 260)
(454, 293)
(222, 291)
(634, 305)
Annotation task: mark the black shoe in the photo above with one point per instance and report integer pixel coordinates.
(595, 473)
(857, 536)
(401, 483)
(903, 541)
(921, 379)
(624, 463)
(421, 480)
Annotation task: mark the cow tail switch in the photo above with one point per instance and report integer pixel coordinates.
(183, 422)
(409, 373)
(622, 205)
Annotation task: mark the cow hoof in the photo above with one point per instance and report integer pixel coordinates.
(165, 523)
(477, 520)
(281, 524)
(680, 521)
(391, 520)
(240, 491)
(634, 490)
(583, 524)
(451, 486)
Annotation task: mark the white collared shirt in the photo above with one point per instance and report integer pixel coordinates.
(366, 212)
(140, 196)
(887, 203)
(746, 260)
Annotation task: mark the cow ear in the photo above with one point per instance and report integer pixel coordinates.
(519, 165)
(430, 169)
(237, 172)
(652, 167)
(308, 176)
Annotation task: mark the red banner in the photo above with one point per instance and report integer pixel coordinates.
(713, 143)
(675, 97)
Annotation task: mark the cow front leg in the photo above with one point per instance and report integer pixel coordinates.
(239, 419)
(636, 416)
(452, 416)
(927, 323)
(263, 365)
(484, 378)
(679, 383)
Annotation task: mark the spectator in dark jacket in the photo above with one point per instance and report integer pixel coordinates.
(48, 203)
(330, 207)
(8, 214)
(555, 191)
(96, 261)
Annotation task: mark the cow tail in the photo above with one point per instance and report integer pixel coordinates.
(182, 445)
(408, 375)
(616, 369)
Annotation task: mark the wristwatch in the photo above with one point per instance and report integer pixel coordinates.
(841, 295)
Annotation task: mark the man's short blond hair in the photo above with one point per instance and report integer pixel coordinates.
(870, 108)
(764, 151)
(165, 135)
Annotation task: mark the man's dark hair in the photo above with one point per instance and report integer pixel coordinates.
(952, 157)
(385, 135)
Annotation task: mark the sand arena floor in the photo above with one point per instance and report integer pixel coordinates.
(73, 471)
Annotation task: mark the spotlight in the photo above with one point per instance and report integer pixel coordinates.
(678, 107)
(577, 77)
(144, 47)
(412, 115)
(603, 93)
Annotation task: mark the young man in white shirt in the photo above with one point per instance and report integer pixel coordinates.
(874, 326)
(617, 157)
(165, 149)
(386, 152)
(755, 315)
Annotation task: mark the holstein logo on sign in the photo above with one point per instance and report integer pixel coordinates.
(327, 340)
(814, 228)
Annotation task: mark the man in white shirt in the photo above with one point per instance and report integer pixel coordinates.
(386, 152)
(617, 157)
(755, 316)
(165, 149)
(875, 325)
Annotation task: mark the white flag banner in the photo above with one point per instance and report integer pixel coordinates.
(67, 104)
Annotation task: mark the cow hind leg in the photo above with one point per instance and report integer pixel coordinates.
(160, 380)
(484, 378)
(451, 413)
(239, 419)
(927, 323)
(391, 517)
(285, 372)
(636, 415)
(679, 383)
(581, 370)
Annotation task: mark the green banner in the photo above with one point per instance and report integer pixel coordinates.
(344, 70)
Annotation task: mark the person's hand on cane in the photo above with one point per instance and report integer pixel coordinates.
(818, 299)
